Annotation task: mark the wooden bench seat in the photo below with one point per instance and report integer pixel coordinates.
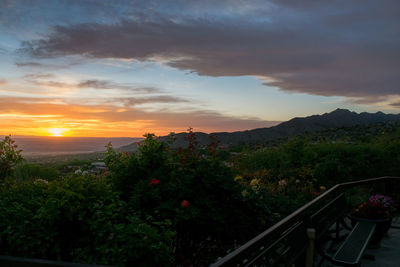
(350, 252)
(354, 244)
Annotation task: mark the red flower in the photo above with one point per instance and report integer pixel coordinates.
(166, 149)
(185, 203)
(154, 181)
(138, 143)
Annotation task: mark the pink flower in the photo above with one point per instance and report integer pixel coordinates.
(185, 203)
(154, 181)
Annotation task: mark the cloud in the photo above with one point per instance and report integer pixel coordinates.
(3, 82)
(338, 49)
(28, 64)
(86, 120)
(133, 101)
(367, 100)
(96, 84)
(66, 63)
(104, 84)
(396, 105)
(34, 76)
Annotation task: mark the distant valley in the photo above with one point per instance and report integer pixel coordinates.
(46, 146)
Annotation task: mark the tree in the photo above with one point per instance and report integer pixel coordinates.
(9, 156)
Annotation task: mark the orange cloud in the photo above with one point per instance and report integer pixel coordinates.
(19, 118)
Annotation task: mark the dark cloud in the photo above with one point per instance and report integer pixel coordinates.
(396, 105)
(338, 49)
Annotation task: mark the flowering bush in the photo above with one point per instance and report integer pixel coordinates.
(79, 219)
(185, 203)
(192, 188)
(10, 155)
(377, 206)
(154, 181)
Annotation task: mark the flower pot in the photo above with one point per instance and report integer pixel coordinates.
(382, 227)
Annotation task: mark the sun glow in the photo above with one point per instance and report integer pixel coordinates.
(57, 132)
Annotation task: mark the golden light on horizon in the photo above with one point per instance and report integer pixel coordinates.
(59, 132)
(65, 121)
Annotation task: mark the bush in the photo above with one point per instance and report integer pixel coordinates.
(196, 192)
(9, 156)
(323, 164)
(78, 219)
(27, 171)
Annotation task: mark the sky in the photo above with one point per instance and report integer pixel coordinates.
(125, 68)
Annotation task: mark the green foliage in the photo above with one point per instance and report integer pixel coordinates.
(78, 162)
(291, 174)
(9, 156)
(78, 219)
(161, 206)
(324, 163)
(195, 191)
(129, 170)
(27, 171)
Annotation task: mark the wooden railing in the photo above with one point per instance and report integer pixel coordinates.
(277, 246)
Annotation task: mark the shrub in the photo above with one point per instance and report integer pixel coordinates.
(196, 192)
(9, 156)
(27, 171)
(323, 163)
(78, 219)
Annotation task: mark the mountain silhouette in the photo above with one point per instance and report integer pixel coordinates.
(296, 126)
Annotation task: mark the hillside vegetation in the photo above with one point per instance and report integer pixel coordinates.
(167, 207)
(273, 135)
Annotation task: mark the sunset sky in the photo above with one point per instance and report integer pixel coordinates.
(124, 68)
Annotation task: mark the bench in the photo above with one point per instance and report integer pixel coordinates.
(353, 244)
(350, 252)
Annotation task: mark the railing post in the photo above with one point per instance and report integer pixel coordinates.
(310, 247)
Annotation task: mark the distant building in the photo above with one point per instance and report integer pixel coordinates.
(98, 166)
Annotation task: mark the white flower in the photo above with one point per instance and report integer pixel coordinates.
(37, 181)
(282, 183)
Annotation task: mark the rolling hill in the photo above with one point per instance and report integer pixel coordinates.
(296, 126)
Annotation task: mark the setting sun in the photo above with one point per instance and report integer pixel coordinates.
(56, 132)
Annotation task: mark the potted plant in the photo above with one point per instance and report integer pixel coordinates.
(377, 209)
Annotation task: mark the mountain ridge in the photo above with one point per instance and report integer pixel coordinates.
(292, 127)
